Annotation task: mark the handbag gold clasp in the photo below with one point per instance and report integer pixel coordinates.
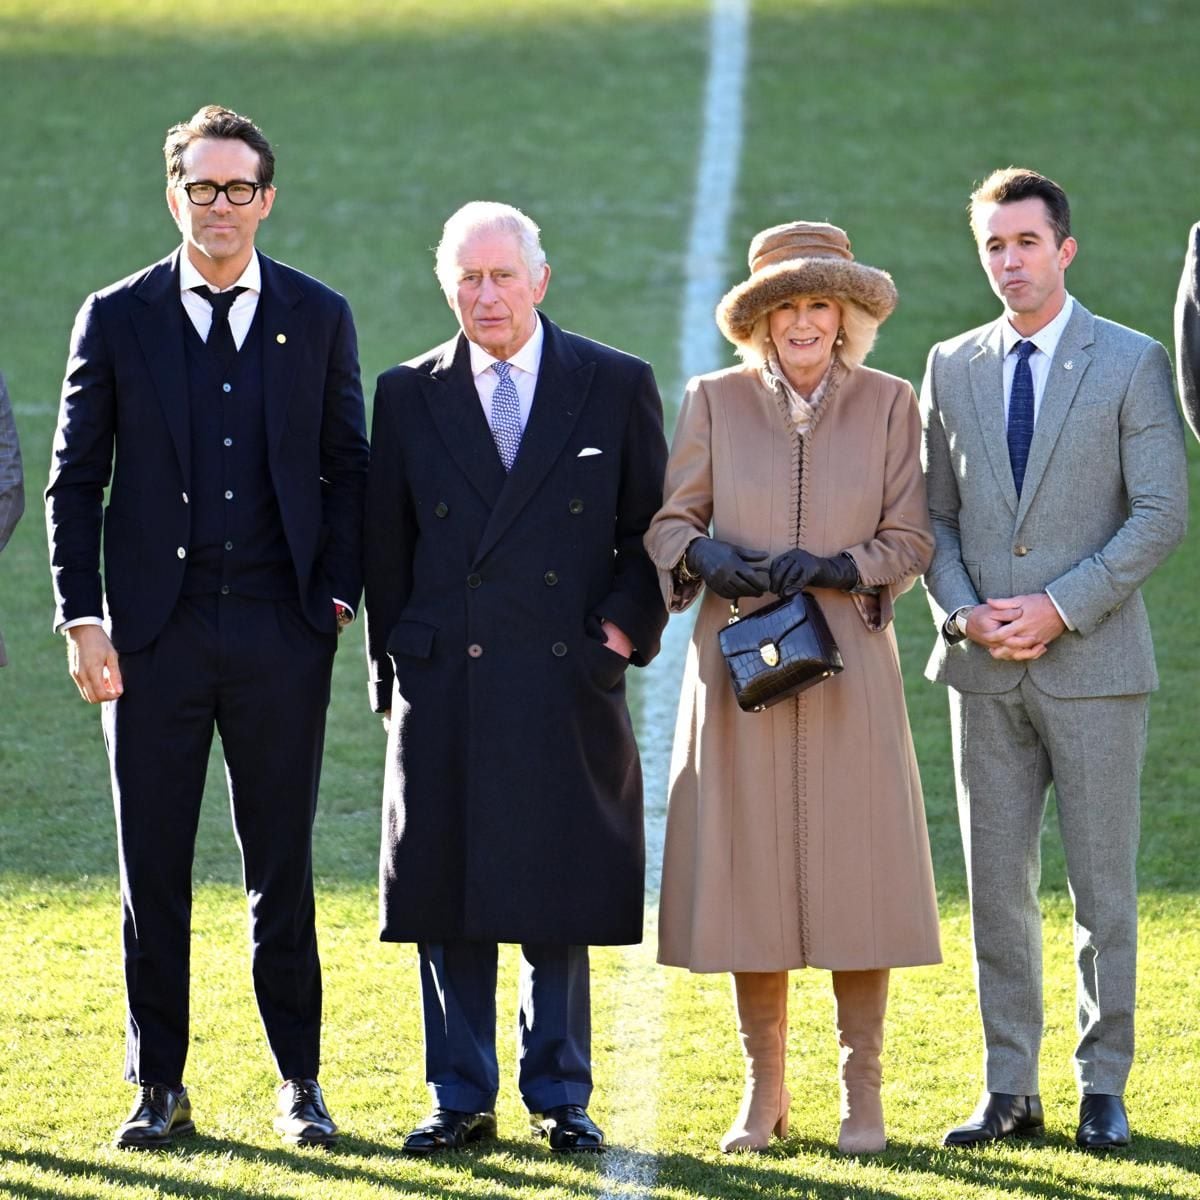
(734, 615)
(770, 654)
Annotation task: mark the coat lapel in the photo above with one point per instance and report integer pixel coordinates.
(454, 406)
(158, 325)
(1067, 369)
(986, 372)
(562, 390)
(282, 330)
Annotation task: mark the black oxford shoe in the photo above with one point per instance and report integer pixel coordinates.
(448, 1129)
(303, 1118)
(568, 1128)
(1103, 1123)
(158, 1117)
(999, 1115)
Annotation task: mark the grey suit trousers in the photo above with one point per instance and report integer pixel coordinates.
(1009, 747)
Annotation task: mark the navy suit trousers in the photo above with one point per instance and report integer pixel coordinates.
(258, 674)
(554, 1031)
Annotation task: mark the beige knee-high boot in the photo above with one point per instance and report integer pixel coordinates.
(760, 1000)
(860, 1003)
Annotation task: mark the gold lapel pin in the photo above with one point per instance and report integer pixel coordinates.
(281, 338)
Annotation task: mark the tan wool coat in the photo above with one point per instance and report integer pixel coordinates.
(796, 836)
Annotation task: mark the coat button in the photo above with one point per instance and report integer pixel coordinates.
(227, 388)
(576, 506)
(558, 649)
(551, 578)
(228, 545)
(475, 650)
(184, 495)
(1020, 551)
(473, 580)
(224, 589)
(440, 509)
(181, 553)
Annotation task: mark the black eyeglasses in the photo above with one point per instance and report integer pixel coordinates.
(238, 192)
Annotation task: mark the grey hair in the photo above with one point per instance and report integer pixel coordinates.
(858, 325)
(486, 216)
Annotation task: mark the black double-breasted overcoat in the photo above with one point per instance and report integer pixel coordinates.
(512, 806)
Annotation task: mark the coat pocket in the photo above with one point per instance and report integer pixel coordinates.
(412, 638)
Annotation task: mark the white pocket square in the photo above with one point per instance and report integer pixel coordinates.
(588, 451)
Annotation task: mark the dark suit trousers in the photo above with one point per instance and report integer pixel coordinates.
(257, 673)
(554, 1031)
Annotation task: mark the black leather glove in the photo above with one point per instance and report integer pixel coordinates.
(730, 571)
(795, 570)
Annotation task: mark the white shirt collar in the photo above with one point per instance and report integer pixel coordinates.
(189, 277)
(1046, 339)
(528, 358)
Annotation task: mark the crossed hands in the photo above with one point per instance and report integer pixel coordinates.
(1018, 629)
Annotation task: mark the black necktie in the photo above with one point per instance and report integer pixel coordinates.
(220, 336)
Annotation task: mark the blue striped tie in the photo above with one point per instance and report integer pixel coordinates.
(1020, 414)
(506, 415)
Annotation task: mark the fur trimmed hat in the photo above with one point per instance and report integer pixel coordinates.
(802, 258)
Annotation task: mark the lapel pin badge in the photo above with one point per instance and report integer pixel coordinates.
(281, 338)
(1069, 365)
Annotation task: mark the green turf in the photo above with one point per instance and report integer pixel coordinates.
(386, 116)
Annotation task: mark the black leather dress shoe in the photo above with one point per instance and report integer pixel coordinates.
(1103, 1123)
(568, 1128)
(158, 1117)
(448, 1129)
(303, 1118)
(999, 1115)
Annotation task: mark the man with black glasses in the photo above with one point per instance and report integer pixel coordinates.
(218, 391)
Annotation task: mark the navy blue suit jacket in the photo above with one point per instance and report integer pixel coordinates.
(123, 420)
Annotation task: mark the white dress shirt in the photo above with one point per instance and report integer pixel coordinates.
(241, 312)
(1046, 340)
(525, 366)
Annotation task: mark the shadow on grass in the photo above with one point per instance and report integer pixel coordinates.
(519, 1167)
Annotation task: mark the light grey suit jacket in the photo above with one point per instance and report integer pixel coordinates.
(12, 487)
(1104, 502)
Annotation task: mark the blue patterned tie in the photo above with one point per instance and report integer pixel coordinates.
(506, 415)
(1020, 414)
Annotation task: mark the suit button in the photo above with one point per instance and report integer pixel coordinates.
(473, 580)
(181, 553)
(551, 578)
(575, 507)
(228, 545)
(228, 495)
(185, 499)
(558, 649)
(227, 388)
(227, 442)
(440, 509)
(1020, 551)
(224, 589)
(475, 650)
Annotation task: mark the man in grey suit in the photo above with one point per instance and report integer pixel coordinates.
(1187, 332)
(1057, 483)
(12, 486)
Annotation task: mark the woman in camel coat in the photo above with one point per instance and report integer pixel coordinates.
(796, 836)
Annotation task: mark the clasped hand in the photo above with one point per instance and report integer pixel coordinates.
(735, 571)
(1017, 629)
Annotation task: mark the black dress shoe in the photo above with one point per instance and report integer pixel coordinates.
(158, 1117)
(999, 1115)
(448, 1129)
(569, 1128)
(303, 1118)
(1103, 1124)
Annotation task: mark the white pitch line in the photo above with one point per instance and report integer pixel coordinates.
(629, 1173)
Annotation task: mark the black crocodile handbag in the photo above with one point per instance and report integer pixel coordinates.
(778, 651)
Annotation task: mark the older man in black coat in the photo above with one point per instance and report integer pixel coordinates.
(514, 471)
